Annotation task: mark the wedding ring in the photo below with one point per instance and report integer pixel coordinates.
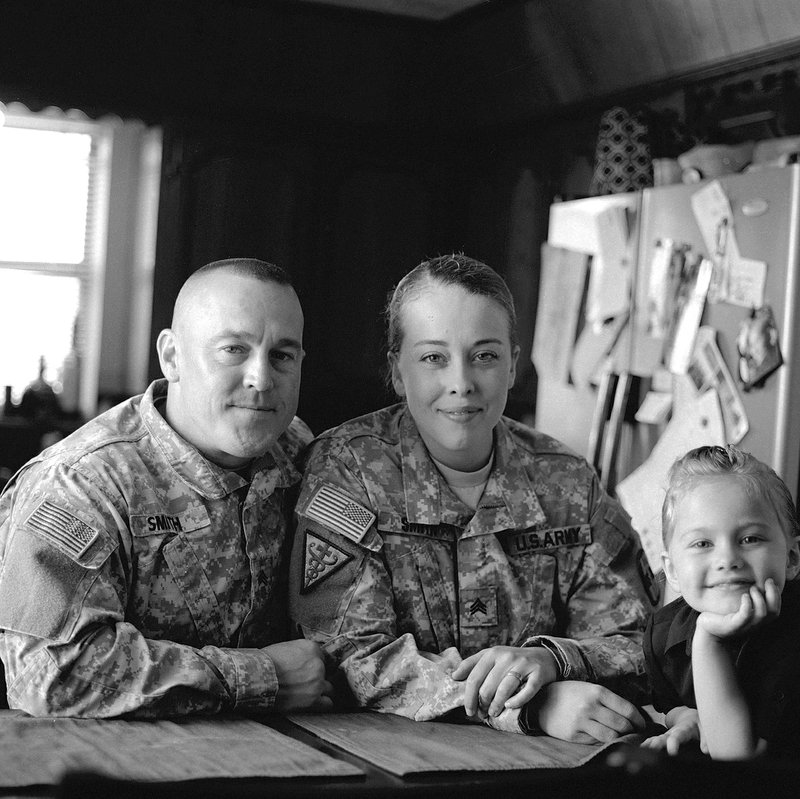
(515, 674)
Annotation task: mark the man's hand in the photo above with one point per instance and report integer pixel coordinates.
(301, 676)
(504, 677)
(756, 607)
(585, 712)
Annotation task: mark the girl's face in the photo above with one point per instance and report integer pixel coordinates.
(723, 541)
(454, 369)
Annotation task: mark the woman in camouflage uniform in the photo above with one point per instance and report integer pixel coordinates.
(449, 557)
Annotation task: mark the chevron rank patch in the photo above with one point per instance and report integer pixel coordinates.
(321, 560)
(479, 607)
(65, 531)
(337, 512)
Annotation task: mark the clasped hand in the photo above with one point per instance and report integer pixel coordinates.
(756, 607)
(300, 671)
(504, 677)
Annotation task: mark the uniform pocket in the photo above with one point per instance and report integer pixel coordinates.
(422, 573)
(533, 601)
(195, 590)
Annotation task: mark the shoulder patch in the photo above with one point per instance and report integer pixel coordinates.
(321, 560)
(65, 531)
(335, 511)
(518, 543)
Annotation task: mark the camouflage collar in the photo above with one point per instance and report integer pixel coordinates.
(508, 502)
(206, 478)
(422, 484)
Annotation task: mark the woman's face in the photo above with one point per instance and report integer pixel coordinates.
(454, 368)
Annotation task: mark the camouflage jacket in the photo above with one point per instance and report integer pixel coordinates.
(136, 577)
(398, 579)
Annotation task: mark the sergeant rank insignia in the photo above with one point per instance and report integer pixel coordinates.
(321, 560)
(479, 607)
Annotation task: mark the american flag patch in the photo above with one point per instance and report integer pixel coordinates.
(337, 512)
(66, 531)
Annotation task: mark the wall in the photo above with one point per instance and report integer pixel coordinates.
(523, 61)
(347, 147)
(346, 216)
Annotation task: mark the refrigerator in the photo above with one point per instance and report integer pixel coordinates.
(764, 209)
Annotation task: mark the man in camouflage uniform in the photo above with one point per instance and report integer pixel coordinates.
(398, 579)
(141, 558)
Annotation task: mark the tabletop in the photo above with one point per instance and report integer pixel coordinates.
(337, 755)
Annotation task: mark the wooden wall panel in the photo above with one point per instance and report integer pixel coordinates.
(610, 39)
(707, 36)
(781, 18)
(554, 54)
(578, 21)
(641, 41)
(537, 56)
(684, 46)
(741, 24)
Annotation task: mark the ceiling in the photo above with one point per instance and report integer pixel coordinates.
(431, 10)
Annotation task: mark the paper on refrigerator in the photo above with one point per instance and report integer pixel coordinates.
(736, 279)
(709, 370)
(558, 321)
(597, 226)
(696, 420)
(689, 315)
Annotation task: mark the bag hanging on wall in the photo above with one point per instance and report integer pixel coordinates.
(622, 157)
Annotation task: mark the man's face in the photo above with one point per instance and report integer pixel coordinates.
(233, 361)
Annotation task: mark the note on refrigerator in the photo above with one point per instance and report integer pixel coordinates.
(558, 320)
(746, 279)
(709, 370)
(688, 321)
(597, 226)
(714, 216)
(696, 420)
(660, 289)
(736, 279)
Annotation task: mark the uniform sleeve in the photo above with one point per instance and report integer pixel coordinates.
(67, 647)
(341, 596)
(606, 605)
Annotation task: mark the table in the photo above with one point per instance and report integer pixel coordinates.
(237, 762)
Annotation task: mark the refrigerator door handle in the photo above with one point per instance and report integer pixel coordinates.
(609, 415)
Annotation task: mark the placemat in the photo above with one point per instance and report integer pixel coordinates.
(403, 747)
(35, 751)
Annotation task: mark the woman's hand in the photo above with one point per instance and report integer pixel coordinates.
(504, 677)
(756, 607)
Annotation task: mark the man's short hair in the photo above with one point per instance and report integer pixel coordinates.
(248, 267)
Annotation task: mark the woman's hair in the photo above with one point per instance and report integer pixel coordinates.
(456, 270)
(757, 479)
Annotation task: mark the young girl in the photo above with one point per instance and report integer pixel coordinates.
(437, 529)
(724, 658)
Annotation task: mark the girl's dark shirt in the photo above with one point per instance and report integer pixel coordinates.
(767, 666)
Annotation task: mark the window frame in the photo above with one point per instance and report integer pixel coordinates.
(91, 271)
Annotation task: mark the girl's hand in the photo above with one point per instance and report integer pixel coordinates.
(674, 738)
(756, 608)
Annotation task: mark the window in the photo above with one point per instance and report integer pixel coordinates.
(60, 264)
